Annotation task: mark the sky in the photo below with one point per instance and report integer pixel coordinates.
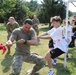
(71, 6)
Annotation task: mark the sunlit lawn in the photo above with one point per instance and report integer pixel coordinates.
(6, 60)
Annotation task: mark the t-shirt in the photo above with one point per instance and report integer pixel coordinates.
(35, 21)
(69, 33)
(57, 36)
(18, 34)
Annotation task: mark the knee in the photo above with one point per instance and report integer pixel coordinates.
(42, 62)
(47, 56)
(17, 71)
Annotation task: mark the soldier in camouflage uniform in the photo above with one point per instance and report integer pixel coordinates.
(25, 36)
(35, 24)
(11, 25)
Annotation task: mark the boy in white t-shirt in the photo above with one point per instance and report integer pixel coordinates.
(60, 44)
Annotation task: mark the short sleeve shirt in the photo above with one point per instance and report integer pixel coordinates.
(57, 36)
(69, 32)
(36, 21)
(18, 34)
(10, 27)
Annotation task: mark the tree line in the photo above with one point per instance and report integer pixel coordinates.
(21, 9)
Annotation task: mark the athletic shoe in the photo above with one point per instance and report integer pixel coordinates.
(29, 72)
(54, 61)
(50, 72)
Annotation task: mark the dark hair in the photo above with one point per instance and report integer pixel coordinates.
(64, 21)
(74, 16)
(56, 18)
(29, 21)
(68, 22)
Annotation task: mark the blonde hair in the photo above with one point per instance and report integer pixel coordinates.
(12, 18)
(56, 18)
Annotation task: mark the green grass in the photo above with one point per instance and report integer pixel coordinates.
(6, 60)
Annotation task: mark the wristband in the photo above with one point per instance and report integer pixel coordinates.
(25, 42)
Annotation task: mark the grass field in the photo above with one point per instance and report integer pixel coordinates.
(6, 60)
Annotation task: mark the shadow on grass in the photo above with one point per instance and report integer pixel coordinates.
(61, 70)
(73, 59)
(36, 74)
(6, 63)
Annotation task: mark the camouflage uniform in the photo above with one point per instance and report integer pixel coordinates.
(35, 25)
(9, 29)
(23, 54)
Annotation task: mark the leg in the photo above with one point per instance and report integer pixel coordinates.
(17, 64)
(8, 50)
(48, 59)
(51, 47)
(37, 30)
(72, 43)
(51, 55)
(39, 61)
(49, 62)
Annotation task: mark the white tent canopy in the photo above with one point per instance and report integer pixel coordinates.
(67, 4)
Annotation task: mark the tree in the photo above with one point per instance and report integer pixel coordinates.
(6, 6)
(20, 11)
(50, 8)
(32, 8)
(15, 8)
(32, 5)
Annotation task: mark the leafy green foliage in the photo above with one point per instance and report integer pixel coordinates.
(6, 6)
(51, 8)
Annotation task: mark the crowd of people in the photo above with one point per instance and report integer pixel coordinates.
(28, 34)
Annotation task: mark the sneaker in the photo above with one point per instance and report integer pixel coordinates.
(50, 72)
(67, 56)
(54, 61)
(29, 72)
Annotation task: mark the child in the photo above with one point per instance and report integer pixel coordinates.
(60, 44)
(51, 45)
(68, 37)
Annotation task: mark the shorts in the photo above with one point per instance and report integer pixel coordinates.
(50, 45)
(56, 52)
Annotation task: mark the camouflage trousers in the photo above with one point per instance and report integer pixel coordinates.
(30, 58)
(36, 29)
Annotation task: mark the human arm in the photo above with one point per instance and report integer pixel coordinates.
(12, 38)
(10, 42)
(33, 41)
(44, 36)
(32, 38)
